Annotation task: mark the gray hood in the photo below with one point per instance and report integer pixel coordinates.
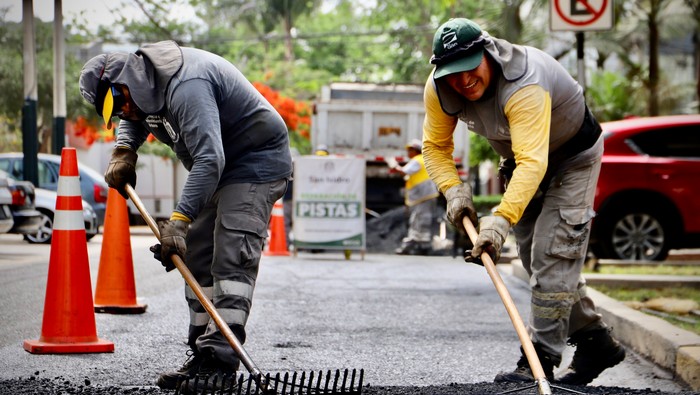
(146, 73)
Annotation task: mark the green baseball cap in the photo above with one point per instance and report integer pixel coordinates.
(458, 45)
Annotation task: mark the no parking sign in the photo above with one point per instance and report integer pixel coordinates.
(581, 15)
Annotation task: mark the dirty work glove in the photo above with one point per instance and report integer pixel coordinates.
(493, 230)
(459, 205)
(165, 261)
(172, 238)
(122, 170)
(469, 258)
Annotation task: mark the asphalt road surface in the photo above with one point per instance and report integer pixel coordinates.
(429, 325)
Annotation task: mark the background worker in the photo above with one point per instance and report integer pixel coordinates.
(236, 149)
(322, 150)
(534, 115)
(420, 198)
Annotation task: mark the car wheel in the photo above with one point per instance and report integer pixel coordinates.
(43, 236)
(633, 233)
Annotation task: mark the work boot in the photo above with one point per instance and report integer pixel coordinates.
(412, 248)
(595, 351)
(170, 380)
(523, 373)
(213, 376)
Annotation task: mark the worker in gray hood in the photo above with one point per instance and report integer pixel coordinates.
(236, 149)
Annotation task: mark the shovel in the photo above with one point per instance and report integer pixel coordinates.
(265, 384)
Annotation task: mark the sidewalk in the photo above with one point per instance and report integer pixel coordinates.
(668, 346)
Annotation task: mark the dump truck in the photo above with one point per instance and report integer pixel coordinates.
(375, 122)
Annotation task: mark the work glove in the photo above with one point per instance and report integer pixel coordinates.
(392, 163)
(165, 261)
(493, 230)
(172, 240)
(122, 170)
(460, 205)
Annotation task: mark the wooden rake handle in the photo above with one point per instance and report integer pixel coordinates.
(203, 299)
(528, 348)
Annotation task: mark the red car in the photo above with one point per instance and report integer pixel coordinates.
(648, 194)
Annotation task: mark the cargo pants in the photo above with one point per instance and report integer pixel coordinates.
(552, 239)
(224, 246)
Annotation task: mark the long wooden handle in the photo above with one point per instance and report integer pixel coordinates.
(525, 341)
(203, 299)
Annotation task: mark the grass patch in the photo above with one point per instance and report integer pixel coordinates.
(688, 322)
(665, 270)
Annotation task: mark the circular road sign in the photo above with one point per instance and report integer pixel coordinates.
(579, 15)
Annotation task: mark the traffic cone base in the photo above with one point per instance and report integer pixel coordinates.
(126, 309)
(40, 347)
(115, 292)
(69, 320)
(277, 243)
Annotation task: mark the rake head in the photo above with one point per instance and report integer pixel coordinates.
(315, 383)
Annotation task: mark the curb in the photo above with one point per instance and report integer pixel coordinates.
(668, 346)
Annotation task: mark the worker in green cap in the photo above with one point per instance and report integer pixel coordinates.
(534, 115)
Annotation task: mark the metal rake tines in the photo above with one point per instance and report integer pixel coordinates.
(218, 385)
(345, 382)
(314, 383)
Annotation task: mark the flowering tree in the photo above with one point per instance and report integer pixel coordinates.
(296, 115)
(86, 132)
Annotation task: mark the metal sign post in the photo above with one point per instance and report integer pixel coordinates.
(579, 16)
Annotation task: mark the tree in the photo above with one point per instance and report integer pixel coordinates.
(11, 83)
(694, 6)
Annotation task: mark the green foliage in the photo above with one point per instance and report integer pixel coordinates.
(12, 82)
(484, 203)
(480, 151)
(613, 97)
(296, 47)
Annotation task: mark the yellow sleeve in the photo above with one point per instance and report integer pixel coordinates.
(176, 215)
(438, 143)
(529, 113)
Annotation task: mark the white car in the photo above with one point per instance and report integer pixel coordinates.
(6, 220)
(46, 205)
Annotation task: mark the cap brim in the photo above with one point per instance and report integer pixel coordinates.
(107, 108)
(466, 63)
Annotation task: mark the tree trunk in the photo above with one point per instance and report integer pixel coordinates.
(696, 42)
(288, 48)
(654, 57)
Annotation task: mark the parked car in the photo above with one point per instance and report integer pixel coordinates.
(26, 218)
(93, 187)
(648, 194)
(46, 205)
(6, 220)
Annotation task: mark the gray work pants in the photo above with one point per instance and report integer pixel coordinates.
(224, 245)
(552, 238)
(420, 221)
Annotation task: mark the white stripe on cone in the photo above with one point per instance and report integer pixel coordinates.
(68, 220)
(68, 186)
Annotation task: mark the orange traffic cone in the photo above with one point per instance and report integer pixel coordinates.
(277, 245)
(69, 319)
(116, 289)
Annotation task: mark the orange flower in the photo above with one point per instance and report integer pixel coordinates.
(296, 115)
